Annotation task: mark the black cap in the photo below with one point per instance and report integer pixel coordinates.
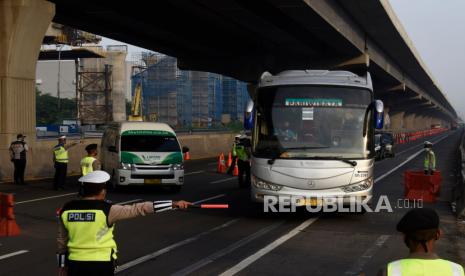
(418, 219)
(91, 147)
(20, 136)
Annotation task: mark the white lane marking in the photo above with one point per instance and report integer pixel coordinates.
(358, 266)
(196, 172)
(44, 198)
(171, 247)
(13, 254)
(265, 250)
(129, 201)
(223, 180)
(213, 257)
(405, 162)
(210, 198)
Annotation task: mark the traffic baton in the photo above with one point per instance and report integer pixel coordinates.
(211, 206)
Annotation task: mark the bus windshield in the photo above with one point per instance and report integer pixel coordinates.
(149, 143)
(299, 122)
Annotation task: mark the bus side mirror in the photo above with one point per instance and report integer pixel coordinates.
(112, 149)
(248, 115)
(185, 149)
(379, 114)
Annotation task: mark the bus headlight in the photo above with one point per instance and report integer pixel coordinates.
(264, 185)
(359, 186)
(178, 167)
(125, 166)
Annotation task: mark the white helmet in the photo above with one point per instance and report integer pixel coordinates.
(428, 144)
(95, 177)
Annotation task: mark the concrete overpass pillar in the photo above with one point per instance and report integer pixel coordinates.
(22, 28)
(409, 122)
(397, 120)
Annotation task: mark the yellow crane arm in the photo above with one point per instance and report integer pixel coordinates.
(136, 107)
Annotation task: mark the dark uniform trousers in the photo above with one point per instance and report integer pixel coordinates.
(78, 268)
(60, 175)
(20, 167)
(244, 168)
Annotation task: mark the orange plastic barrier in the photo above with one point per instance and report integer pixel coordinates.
(8, 226)
(420, 186)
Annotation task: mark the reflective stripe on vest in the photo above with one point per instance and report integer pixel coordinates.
(89, 237)
(87, 164)
(424, 267)
(61, 154)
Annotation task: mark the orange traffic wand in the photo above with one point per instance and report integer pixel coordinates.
(211, 206)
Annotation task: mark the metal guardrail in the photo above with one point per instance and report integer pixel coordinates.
(460, 189)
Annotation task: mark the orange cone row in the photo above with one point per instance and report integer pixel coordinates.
(8, 226)
(406, 137)
(223, 165)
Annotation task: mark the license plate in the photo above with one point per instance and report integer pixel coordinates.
(152, 181)
(310, 202)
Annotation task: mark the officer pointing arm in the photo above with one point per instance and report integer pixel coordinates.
(85, 227)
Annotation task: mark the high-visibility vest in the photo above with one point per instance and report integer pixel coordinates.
(87, 164)
(90, 238)
(241, 153)
(430, 160)
(61, 154)
(424, 267)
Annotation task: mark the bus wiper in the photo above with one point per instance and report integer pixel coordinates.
(350, 162)
(297, 148)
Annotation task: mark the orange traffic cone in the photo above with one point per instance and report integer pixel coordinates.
(8, 226)
(229, 160)
(187, 156)
(221, 164)
(236, 169)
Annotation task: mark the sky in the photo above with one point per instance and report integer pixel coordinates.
(437, 29)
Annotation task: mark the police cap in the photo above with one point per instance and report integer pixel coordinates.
(418, 219)
(96, 177)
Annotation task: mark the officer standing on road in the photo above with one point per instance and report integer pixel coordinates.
(234, 154)
(430, 159)
(85, 227)
(18, 150)
(90, 163)
(60, 160)
(421, 231)
(243, 152)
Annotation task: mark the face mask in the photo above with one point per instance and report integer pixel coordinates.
(427, 149)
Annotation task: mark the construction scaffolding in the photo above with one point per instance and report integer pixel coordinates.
(184, 98)
(94, 90)
(235, 98)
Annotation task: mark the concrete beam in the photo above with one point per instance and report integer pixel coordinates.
(23, 26)
(340, 21)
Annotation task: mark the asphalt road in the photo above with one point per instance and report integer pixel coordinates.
(241, 239)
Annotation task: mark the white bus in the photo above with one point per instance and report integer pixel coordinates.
(313, 136)
(142, 153)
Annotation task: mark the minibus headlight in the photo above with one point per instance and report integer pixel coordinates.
(178, 167)
(264, 185)
(359, 186)
(125, 166)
